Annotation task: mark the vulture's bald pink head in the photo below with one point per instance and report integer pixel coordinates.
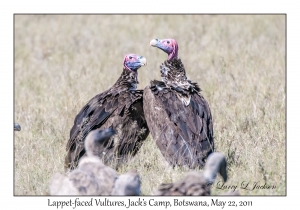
(133, 62)
(169, 46)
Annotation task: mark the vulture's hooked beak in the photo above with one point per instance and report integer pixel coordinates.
(159, 44)
(143, 61)
(154, 42)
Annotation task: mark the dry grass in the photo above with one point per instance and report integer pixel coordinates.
(238, 61)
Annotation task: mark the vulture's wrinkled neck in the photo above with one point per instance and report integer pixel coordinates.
(128, 79)
(172, 71)
(173, 55)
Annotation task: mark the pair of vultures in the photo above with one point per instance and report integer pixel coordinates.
(172, 110)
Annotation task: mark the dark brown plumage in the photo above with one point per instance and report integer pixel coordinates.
(178, 116)
(195, 182)
(120, 108)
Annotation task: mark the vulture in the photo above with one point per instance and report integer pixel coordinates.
(92, 177)
(195, 182)
(17, 127)
(119, 108)
(178, 116)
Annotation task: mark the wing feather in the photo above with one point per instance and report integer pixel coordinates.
(188, 125)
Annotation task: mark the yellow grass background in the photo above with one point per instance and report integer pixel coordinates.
(61, 61)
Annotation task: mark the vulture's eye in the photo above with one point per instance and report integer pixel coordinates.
(130, 57)
(168, 42)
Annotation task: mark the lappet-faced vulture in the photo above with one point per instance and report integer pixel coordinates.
(178, 116)
(120, 108)
(195, 182)
(92, 177)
